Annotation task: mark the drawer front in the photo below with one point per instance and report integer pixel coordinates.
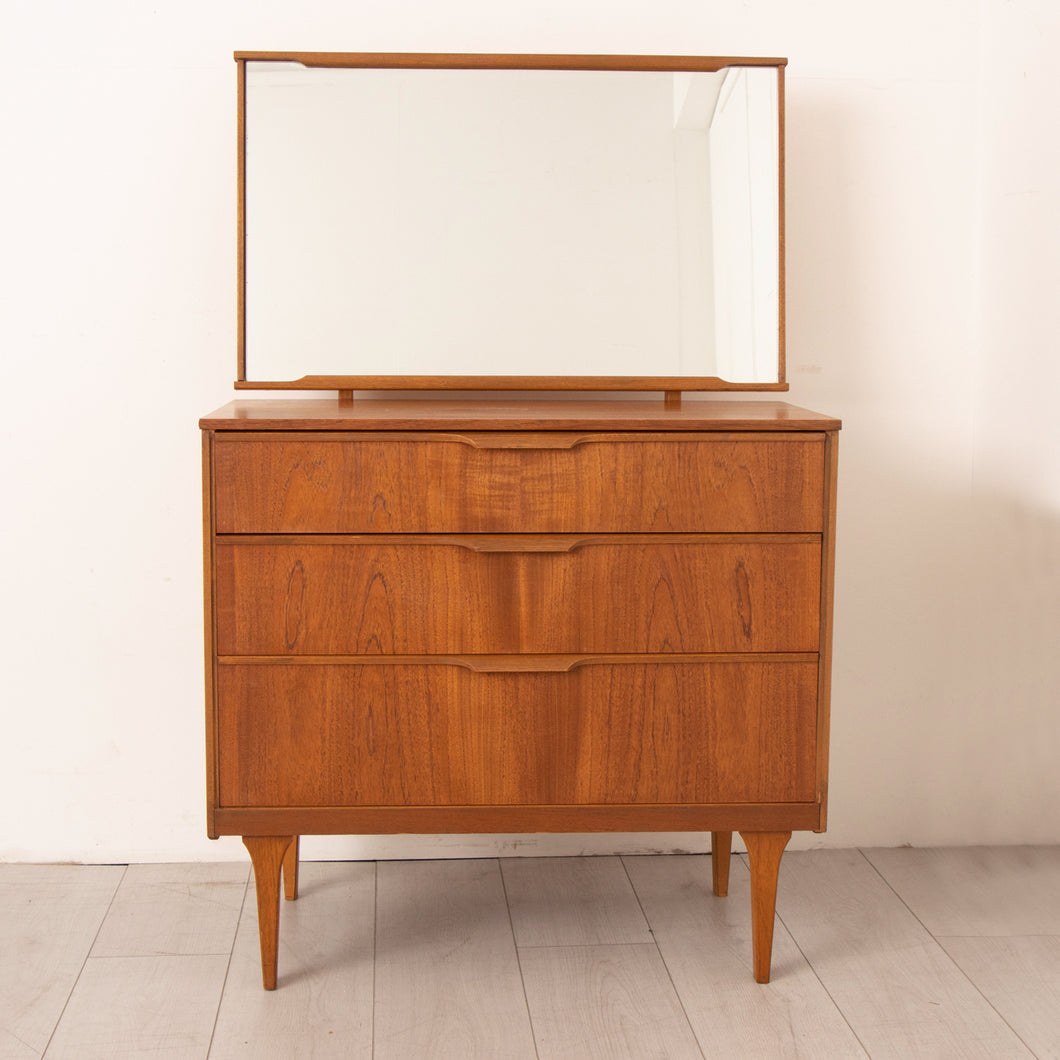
(607, 733)
(561, 484)
(423, 596)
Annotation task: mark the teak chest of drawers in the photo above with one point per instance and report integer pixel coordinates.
(438, 616)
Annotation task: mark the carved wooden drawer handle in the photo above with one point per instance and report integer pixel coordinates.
(520, 542)
(562, 664)
(522, 440)
(518, 664)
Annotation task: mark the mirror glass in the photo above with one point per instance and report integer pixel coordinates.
(512, 223)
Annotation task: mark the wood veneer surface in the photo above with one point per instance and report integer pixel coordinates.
(518, 616)
(424, 734)
(440, 414)
(378, 483)
(385, 595)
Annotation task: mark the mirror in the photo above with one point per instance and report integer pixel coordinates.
(549, 222)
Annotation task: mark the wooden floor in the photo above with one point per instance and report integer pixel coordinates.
(904, 953)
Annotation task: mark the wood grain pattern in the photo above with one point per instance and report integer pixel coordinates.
(764, 850)
(435, 735)
(347, 384)
(517, 616)
(511, 60)
(411, 596)
(474, 820)
(486, 414)
(372, 484)
(241, 219)
(720, 859)
(209, 629)
(289, 870)
(824, 679)
(266, 855)
(782, 257)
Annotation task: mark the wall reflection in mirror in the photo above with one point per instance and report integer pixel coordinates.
(512, 222)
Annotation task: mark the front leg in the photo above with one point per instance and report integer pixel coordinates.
(763, 852)
(267, 856)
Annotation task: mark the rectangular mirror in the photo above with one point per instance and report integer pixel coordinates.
(511, 222)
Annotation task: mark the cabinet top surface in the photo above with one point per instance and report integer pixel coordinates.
(300, 414)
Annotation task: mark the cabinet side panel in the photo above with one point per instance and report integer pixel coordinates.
(209, 628)
(824, 680)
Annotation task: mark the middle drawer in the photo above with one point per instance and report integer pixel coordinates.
(503, 594)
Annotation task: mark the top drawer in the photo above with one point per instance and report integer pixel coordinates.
(488, 482)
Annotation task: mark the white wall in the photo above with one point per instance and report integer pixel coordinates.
(923, 209)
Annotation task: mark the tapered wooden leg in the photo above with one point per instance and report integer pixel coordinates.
(290, 871)
(720, 849)
(763, 852)
(267, 855)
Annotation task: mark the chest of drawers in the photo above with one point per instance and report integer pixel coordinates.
(442, 616)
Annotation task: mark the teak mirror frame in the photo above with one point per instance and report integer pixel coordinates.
(346, 384)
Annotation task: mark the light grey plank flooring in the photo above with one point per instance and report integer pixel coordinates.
(572, 902)
(883, 953)
(322, 1006)
(706, 944)
(900, 992)
(141, 1006)
(174, 909)
(977, 890)
(602, 1002)
(1020, 977)
(49, 916)
(447, 981)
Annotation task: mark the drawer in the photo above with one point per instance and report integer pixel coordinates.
(441, 734)
(499, 483)
(380, 594)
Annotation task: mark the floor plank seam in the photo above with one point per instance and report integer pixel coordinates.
(84, 963)
(662, 958)
(518, 959)
(228, 968)
(375, 950)
(104, 957)
(809, 964)
(583, 945)
(946, 953)
(824, 987)
(1018, 935)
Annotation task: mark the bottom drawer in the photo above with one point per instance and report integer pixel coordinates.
(441, 734)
